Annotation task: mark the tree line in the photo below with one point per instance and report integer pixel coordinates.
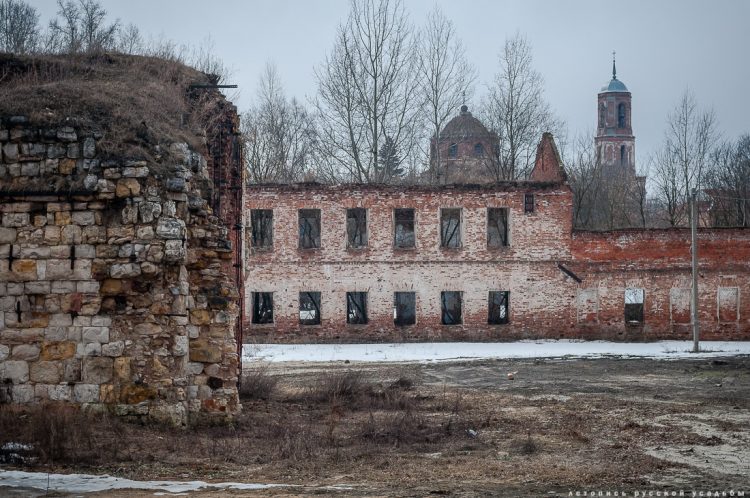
(387, 87)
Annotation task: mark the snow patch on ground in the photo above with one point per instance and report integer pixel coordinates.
(442, 351)
(85, 483)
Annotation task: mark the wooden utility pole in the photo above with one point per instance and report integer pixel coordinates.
(694, 253)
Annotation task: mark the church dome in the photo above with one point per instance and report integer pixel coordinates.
(615, 85)
(464, 126)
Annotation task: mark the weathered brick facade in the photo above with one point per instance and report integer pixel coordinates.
(562, 283)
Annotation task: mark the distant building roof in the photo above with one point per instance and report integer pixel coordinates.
(464, 126)
(614, 85)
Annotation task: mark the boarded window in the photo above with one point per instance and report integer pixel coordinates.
(309, 308)
(450, 302)
(588, 305)
(497, 227)
(356, 307)
(450, 228)
(499, 307)
(309, 228)
(634, 305)
(356, 228)
(528, 203)
(728, 303)
(404, 228)
(679, 303)
(262, 307)
(262, 227)
(404, 308)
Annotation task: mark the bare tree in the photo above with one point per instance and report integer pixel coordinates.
(366, 91)
(728, 183)
(584, 175)
(516, 110)
(19, 26)
(681, 164)
(130, 40)
(446, 78)
(81, 27)
(278, 133)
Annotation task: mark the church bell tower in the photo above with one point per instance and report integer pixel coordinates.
(615, 143)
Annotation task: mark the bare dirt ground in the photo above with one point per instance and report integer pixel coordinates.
(459, 429)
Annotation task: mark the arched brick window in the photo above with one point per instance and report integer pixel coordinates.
(621, 121)
(479, 150)
(452, 150)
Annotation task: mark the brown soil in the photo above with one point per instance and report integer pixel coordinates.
(460, 429)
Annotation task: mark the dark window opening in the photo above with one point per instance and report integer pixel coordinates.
(450, 228)
(621, 116)
(404, 308)
(309, 228)
(262, 227)
(499, 307)
(309, 308)
(634, 305)
(528, 203)
(451, 307)
(262, 307)
(622, 154)
(497, 227)
(356, 307)
(479, 150)
(356, 227)
(602, 115)
(452, 150)
(404, 228)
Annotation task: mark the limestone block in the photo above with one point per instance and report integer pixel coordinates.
(174, 414)
(54, 334)
(149, 268)
(7, 235)
(83, 218)
(176, 185)
(133, 394)
(95, 334)
(127, 187)
(180, 347)
(67, 134)
(194, 368)
(26, 352)
(63, 287)
(204, 351)
(37, 287)
(23, 394)
(55, 151)
(107, 251)
(16, 372)
(17, 220)
(72, 370)
(174, 251)
(101, 321)
(147, 328)
(46, 372)
(106, 186)
(89, 148)
(60, 320)
(149, 211)
(91, 349)
(59, 269)
(85, 251)
(30, 169)
(122, 368)
(97, 370)
(52, 234)
(124, 270)
(25, 269)
(71, 234)
(129, 215)
(135, 172)
(94, 234)
(113, 349)
(4, 352)
(33, 252)
(62, 218)
(86, 393)
(60, 392)
(155, 254)
(61, 350)
(170, 228)
(145, 233)
(193, 331)
(10, 153)
(59, 252)
(88, 287)
(200, 317)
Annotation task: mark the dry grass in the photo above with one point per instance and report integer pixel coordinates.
(135, 102)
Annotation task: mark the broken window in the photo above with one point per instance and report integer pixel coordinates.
(498, 307)
(309, 228)
(450, 228)
(404, 228)
(634, 305)
(479, 150)
(528, 203)
(262, 227)
(451, 307)
(309, 308)
(262, 307)
(728, 302)
(356, 307)
(497, 227)
(356, 228)
(453, 150)
(404, 308)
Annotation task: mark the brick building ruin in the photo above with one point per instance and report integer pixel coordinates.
(491, 262)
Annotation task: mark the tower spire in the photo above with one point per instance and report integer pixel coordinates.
(614, 68)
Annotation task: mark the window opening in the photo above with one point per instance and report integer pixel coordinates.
(309, 308)
(497, 227)
(451, 307)
(404, 228)
(356, 228)
(404, 308)
(356, 307)
(450, 228)
(262, 307)
(498, 307)
(262, 227)
(634, 305)
(309, 228)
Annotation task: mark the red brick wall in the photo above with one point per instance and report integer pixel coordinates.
(544, 301)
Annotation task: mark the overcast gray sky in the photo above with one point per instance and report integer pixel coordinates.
(663, 47)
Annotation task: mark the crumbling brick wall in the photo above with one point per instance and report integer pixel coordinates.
(116, 285)
(562, 283)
